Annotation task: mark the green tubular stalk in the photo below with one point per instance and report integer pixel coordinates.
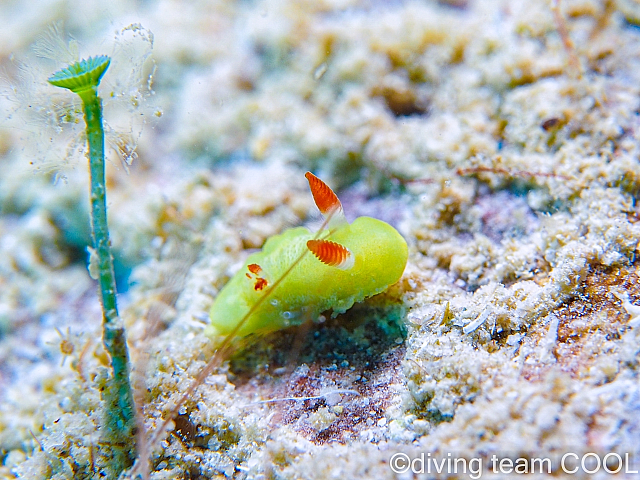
(83, 78)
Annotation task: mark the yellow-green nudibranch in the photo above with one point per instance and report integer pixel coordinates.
(282, 285)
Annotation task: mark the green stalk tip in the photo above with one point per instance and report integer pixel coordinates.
(82, 75)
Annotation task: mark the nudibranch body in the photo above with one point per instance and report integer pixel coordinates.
(332, 269)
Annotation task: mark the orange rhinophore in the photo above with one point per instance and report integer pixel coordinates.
(325, 199)
(331, 253)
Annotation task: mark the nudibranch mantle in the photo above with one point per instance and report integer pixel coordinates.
(347, 263)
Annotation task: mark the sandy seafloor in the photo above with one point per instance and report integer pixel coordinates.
(507, 158)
